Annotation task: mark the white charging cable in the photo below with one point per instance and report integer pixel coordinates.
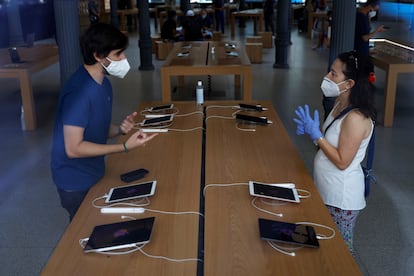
(222, 185)
(168, 258)
(320, 236)
(222, 106)
(284, 250)
(253, 203)
(189, 114)
(306, 193)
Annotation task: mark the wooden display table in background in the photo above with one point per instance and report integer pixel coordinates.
(35, 59)
(394, 58)
(256, 14)
(201, 61)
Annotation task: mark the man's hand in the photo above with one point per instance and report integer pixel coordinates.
(128, 124)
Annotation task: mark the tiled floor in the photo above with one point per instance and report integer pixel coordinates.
(32, 221)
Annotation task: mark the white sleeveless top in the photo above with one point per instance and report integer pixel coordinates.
(340, 188)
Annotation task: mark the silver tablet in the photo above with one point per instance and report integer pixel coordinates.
(282, 191)
(136, 190)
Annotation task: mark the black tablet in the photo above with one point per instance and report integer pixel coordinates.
(285, 232)
(120, 235)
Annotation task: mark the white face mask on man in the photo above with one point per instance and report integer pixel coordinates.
(330, 88)
(117, 68)
(371, 14)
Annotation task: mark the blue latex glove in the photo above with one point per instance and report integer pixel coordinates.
(300, 128)
(306, 124)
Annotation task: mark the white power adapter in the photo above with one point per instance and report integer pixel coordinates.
(122, 210)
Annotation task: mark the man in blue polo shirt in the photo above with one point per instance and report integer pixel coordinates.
(363, 31)
(83, 118)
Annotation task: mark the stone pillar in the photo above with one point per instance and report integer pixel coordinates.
(114, 13)
(144, 41)
(185, 5)
(342, 28)
(282, 39)
(342, 37)
(67, 33)
(15, 26)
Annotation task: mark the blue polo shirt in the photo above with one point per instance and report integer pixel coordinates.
(87, 104)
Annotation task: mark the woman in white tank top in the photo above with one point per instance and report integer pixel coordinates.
(343, 139)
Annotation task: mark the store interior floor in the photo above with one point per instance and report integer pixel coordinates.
(32, 220)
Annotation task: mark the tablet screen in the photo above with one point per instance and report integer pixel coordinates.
(131, 191)
(162, 107)
(120, 235)
(272, 191)
(288, 232)
(157, 120)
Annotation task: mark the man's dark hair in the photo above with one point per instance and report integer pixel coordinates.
(101, 39)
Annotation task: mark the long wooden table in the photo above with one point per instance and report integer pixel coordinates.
(36, 59)
(174, 160)
(393, 61)
(232, 241)
(232, 245)
(256, 14)
(201, 61)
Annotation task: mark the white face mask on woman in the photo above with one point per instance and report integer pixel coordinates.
(330, 88)
(371, 14)
(117, 68)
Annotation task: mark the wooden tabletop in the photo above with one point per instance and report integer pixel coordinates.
(232, 241)
(33, 58)
(232, 245)
(394, 58)
(190, 53)
(174, 160)
(195, 58)
(222, 50)
(257, 15)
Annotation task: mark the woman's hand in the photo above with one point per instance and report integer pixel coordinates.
(305, 123)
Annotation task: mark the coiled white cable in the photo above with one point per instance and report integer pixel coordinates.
(307, 194)
(283, 250)
(320, 236)
(253, 203)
